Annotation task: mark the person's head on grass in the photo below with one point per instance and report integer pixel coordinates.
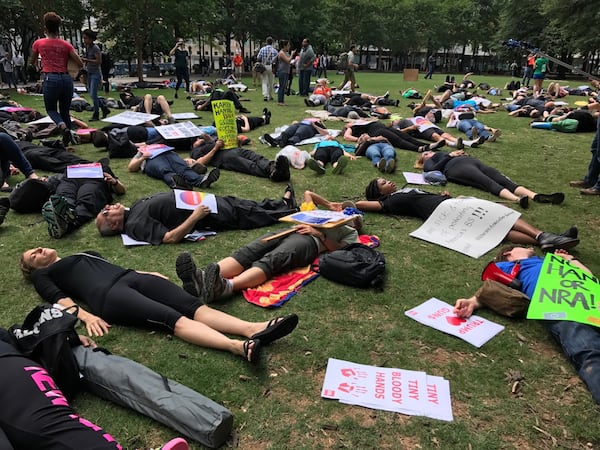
(36, 258)
(379, 188)
(111, 220)
(514, 253)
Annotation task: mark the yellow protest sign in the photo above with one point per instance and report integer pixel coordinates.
(224, 115)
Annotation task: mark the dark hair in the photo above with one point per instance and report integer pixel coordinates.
(52, 22)
(91, 34)
(372, 192)
(283, 43)
(500, 256)
(99, 139)
(269, 40)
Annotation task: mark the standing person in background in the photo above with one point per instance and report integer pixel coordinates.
(182, 70)
(323, 63)
(307, 56)
(19, 63)
(284, 59)
(106, 67)
(7, 65)
(265, 56)
(57, 85)
(238, 65)
(92, 60)
(528, 73)
(430, 66)
(349, 71)
(539, 73)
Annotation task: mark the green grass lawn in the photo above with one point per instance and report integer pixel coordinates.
(277, 404)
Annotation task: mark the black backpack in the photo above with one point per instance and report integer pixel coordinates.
(356, 265)
(47, 336)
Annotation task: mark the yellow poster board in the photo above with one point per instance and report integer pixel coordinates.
(224, 115)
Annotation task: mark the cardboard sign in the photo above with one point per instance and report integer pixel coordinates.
(192, 199)
(224, 115)
(439, 315)
(91, 170)
(131, 118)
(179, 130)
(565, 292)
(467, 225)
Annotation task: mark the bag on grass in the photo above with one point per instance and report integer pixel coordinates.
(30, 195)
(48, 336)
(130, 384)
(356, 265)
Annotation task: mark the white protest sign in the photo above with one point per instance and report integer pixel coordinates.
(131, 118)
(471, 226)
(179, 130)
(439, 315)
(192, 199)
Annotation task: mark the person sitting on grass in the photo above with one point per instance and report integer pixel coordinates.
(580, 342)
(156, 218)
(141, 299)
(329, 151)
(149, 105)
(384, 197)
(461, 168)
(320, 95)
(267, 256)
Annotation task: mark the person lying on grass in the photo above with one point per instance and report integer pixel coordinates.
(142, 299)
(580, 342)
(272, 254)
(383, 196)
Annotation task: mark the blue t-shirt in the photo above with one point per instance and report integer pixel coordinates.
(529, 273)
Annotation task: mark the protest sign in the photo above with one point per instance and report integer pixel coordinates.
(565, 292)
(467, 225)
(131, 118)
(91, 170)
(153, 150)
(224, 115)
(439, 315)
(192, 199)
(179, 130)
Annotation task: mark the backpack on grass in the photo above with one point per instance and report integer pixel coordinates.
(356, 265)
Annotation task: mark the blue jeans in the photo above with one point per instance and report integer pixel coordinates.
(167, 164)
(58, 89)
(283, 81)
(594, 167)
(10, 152)
(581, 344)
(93, 83)
(304, 81)
(466, 126)
(380, 150)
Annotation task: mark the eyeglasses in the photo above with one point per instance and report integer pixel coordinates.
(104, 211)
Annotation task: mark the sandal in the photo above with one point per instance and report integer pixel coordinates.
(276, 329)
(255, 349)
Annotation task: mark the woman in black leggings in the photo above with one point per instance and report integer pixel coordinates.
(461, 168)
(397, 138)
(142, 299)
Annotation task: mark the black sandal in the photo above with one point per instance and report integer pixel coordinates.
(255, 349)
(276, 329)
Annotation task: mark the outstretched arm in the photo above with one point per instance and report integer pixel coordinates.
(318, 200)
(94, 325)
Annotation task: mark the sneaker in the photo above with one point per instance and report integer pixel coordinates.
(313, 164)
(209, 179)
(215, 286)
(95, 117)
(381, 165)
(267, 116)
(191, 277)
(270, 140)
(572, 232)
(580, 184)
(459, 144)
(178, 182)
(436, 145)
(551, 242)
(390, 166)
(199, 168)
(556, 199)
(524, 202)
(175, 94)
(281, 169)
(495, 135)
(474, 133)
(59, 216)
(590, 191)
(171, 119)
(342, 163)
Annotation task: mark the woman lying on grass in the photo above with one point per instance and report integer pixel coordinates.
(142, 299)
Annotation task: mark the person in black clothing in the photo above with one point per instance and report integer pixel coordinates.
(207, 151)
(384, 197)
(461, 168)
(206, 104)
(157, 220)
(128, 297)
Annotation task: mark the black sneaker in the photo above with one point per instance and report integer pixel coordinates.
(209, 179)
(59, 216)
(178, 182)
(550, 242)
(214, 285)
(189, 274)
(291, 201)
(4, 207)
(572, 232)
(556, 199)
(270, 140)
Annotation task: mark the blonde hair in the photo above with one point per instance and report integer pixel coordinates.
(420, 162)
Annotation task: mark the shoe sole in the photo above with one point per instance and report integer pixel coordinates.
(186, 268)
(210, 178)
(566, 246)
(342, 163)
(314, 165)
(56, 228)
(211, 276)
